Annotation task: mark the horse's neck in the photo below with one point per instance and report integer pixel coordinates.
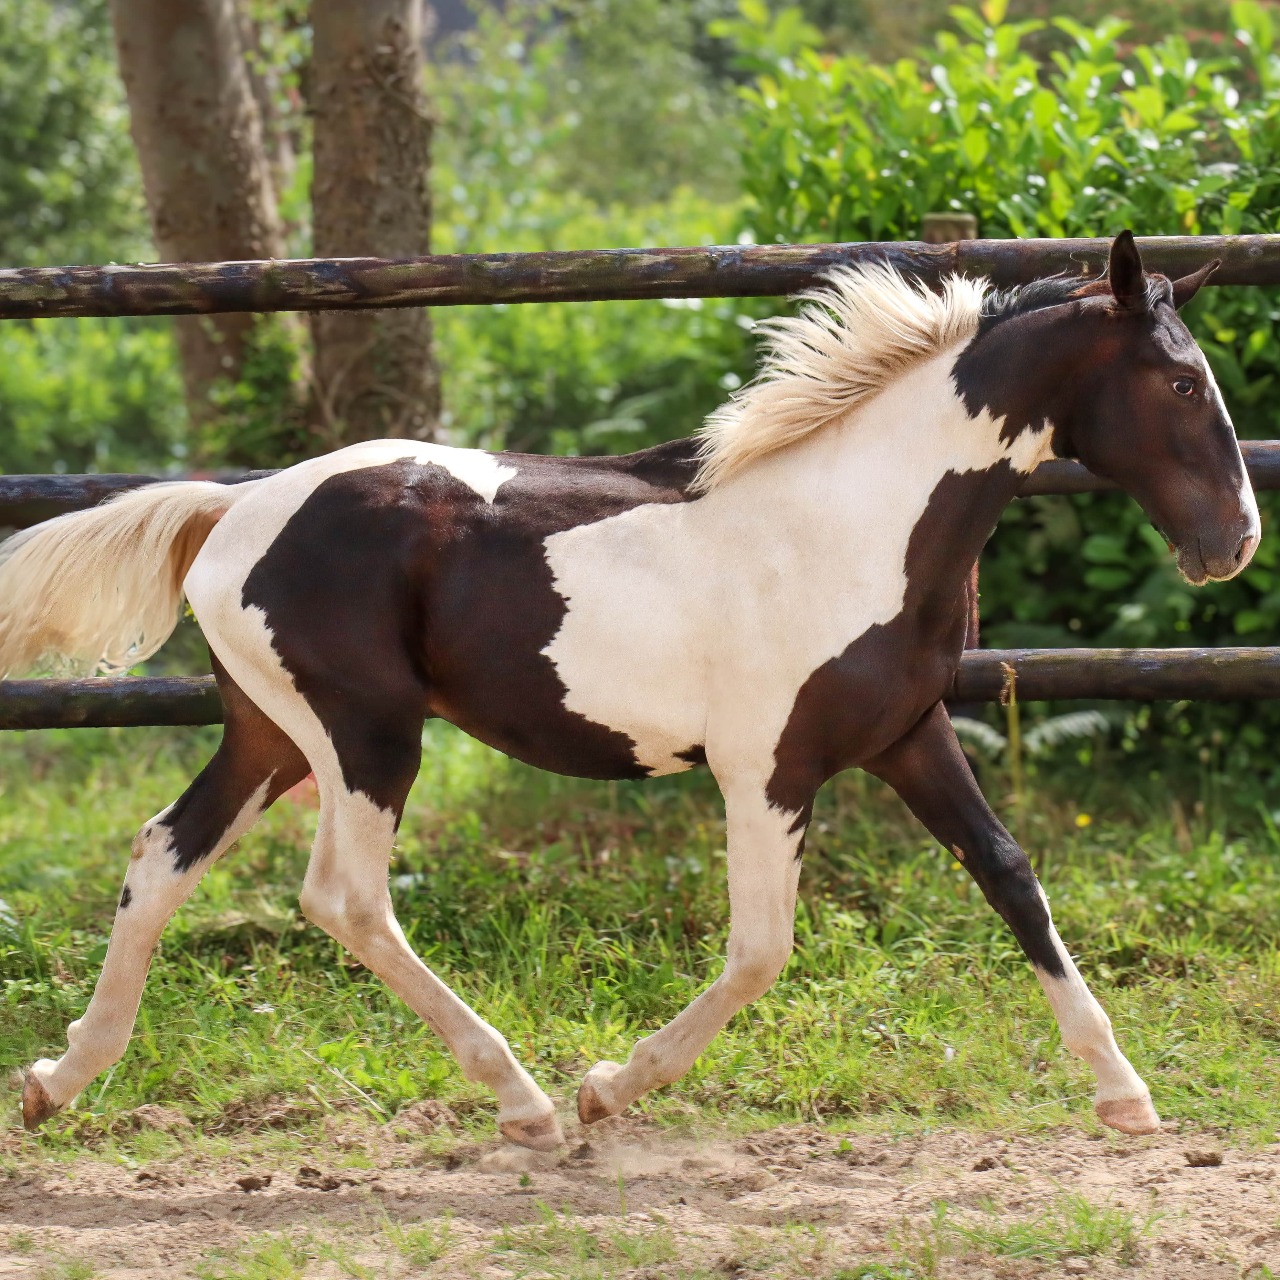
(910, 465)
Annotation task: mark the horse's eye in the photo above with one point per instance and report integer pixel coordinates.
(1184, 386)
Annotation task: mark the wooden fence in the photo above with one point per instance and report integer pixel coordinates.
(592, 275)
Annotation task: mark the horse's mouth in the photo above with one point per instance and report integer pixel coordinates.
(1199, 569)
(1191, 566)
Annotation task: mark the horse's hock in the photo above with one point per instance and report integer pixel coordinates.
(617, 274)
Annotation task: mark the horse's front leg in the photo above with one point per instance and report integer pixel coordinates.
(928, 770)
(764, 868)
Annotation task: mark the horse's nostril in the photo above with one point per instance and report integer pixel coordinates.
(1245, 547)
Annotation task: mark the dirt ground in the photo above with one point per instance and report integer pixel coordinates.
(788, 1201)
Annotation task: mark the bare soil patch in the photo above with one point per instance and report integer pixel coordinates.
(796, 1200)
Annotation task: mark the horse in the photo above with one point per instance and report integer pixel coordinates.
(780, 598)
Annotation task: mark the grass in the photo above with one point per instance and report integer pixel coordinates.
(63, 1267)
(271, 1257)
(576, 916)
(1073, 1227)
(419, 1244)
(582, 1251)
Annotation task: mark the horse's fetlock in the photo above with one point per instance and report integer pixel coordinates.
(486, 1058)
(647, 1057)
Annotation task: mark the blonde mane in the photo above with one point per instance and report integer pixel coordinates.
(857, 332)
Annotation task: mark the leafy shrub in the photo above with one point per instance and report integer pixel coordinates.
(69, 186)
(568, 378)
(597, 377)
(838, 148)
(75, 395)
(89, 395)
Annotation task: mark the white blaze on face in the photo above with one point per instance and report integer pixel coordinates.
(698, 622)
(1248, 500)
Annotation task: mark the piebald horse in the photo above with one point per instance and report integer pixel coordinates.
(780, 599)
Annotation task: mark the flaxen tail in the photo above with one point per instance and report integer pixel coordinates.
(102, 589)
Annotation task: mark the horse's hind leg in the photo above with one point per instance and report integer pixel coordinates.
(254, 763)
(345, 892)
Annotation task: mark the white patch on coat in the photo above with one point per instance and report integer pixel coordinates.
(698, 622)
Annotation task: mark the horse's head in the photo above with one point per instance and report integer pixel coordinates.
(1147, 414)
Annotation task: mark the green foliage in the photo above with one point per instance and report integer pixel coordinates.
(885, 32)
(609, 99)
(839, 148)
(69, 189)
(845, 149)
(582, 378)
(75, 395)
(592, 377)
(89, 395)
(260, 418)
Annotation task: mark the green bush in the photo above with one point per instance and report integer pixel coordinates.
(89, 395)
(596, 377)
(75, 395)
(69, 185)
(584, 377)
(838, 148)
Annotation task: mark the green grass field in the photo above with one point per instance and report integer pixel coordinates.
(576, 916)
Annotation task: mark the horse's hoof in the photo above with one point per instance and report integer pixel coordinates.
(1129, 1115)
(592, 1105)
(542, 1134)
(37, 1106)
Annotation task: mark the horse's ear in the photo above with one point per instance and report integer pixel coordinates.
(1124, 272)
(1187, 288)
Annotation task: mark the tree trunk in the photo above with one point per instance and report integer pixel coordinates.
(265, 81)
(208, 183)
(374, 372)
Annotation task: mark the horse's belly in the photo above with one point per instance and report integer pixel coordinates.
(530, 723)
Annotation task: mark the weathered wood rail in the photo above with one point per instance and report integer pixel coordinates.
(586, 275)
(1139, 675)
(26, 500)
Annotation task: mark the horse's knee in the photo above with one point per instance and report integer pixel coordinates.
(753, 969)
(345, 912)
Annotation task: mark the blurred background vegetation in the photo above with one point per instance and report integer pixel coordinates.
(597, 123)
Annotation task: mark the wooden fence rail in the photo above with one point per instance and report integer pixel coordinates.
(1139, 675)
(26, 500)
(587, 275)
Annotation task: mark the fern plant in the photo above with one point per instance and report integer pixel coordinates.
(1051, 732)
